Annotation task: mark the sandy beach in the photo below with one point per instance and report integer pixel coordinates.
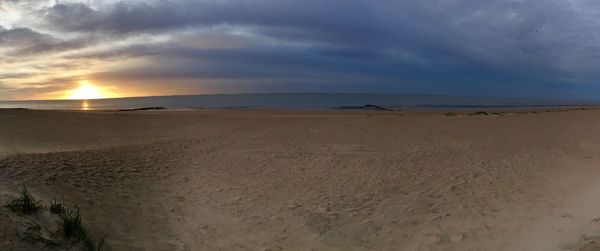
(311, 180)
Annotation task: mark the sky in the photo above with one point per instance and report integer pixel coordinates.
(499, 48)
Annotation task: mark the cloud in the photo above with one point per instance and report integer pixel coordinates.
(496, 47)
(135, 50)
(25, 41)
(283, 19)
(23, 37)
(15, 75)
(499, 33)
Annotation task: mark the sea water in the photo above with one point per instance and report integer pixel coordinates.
(294, 101)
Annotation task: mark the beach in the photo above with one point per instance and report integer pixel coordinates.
(311, 180)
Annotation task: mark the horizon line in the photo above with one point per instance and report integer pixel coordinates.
(305, 93)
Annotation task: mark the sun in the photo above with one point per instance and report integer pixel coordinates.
(87, 90)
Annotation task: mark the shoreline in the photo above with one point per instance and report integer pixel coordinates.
(412, 110)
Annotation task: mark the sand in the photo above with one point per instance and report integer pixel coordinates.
(311, 180)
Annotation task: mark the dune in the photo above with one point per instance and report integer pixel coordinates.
(310, 180)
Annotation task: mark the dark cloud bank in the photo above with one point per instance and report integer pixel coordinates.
(491, 48)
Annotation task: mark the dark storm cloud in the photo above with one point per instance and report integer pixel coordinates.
(126, 17)
(292, 69)
(495, 47)
(495, 32)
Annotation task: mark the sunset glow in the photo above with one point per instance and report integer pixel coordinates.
(87, 90)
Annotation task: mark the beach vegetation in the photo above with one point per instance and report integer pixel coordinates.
(65, 234)
(74, 232)
(93, 243)
(25, 204)
(451, 114)
(36, 233)
(57, 207)
(72, 228)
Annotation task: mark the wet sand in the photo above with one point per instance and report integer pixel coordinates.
(311, 180)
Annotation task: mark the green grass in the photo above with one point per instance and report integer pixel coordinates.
(451, 114)
(26, 204)
(71, 232)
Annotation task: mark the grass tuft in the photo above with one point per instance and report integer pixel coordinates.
(57, 207)
(34, 234)
(75, 232)
(91, 243)
(72, 228)
(451, 114)
(71, 232)
(25, 204)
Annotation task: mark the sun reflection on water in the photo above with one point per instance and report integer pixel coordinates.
(84, 105)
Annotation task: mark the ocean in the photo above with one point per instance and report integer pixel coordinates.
(296, 101)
